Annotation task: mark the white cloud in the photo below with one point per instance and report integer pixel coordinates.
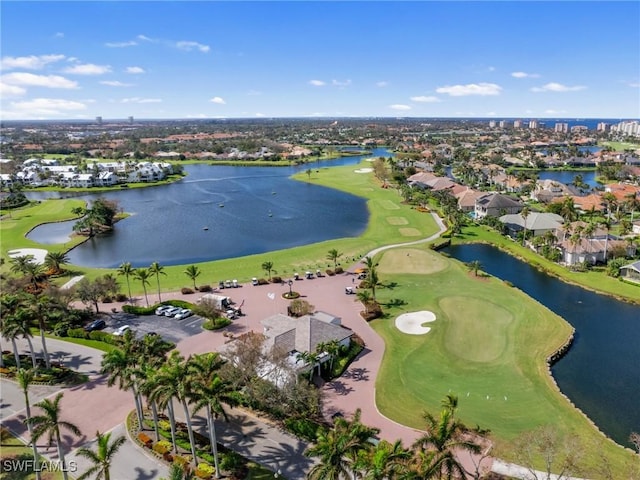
(135, 70)
(398, 106)
(491, 69)
(115, 83)
(337, 83)
(32, 62)
(59, 35)
(425, 99)
(382, 84)
(32, 80)
(130, 43)
(258, 114)
(7, 90)
(634, 84)
(317, 83)
(145, 38)
(554, 112)
(43, 107)
(491, 114)
(524, 75)
(557, 87)
(140, 100)
(471, 89)
(88, 69)
(218, 100)
(189, 46)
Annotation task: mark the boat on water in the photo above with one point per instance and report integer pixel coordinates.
(221, 205)
(205, 228)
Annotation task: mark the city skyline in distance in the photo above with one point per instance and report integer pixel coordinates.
(181, 60)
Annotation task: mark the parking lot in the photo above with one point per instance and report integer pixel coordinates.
(167, 327)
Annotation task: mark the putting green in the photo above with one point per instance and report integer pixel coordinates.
(389, 205)
(411, 260)
(477, 330)
(397, 221)
(409, 232)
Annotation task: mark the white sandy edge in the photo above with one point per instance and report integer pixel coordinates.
(364, 170)
(411, 322)
(38, 254)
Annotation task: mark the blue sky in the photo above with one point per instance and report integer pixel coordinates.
(172, 59)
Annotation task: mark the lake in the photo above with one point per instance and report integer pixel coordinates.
(600, 373)
(217, 212)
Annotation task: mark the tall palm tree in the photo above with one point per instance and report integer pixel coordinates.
(525, 214)
(474, 266)
(19, 264)
(10, 332)
(444, 436)
(121, 366)
(193, 272)
(143, 275)
(340, 448)
(25, 378)
(211, 392)
(365, 298)
(19, 324)
(268, 267)
(157, 270)
(173, 381)
(102, 457)
(49, 423)
(333, 256)
(55, 260)
(125, 269)
(34, 272)
(386, 461)
(43, 308)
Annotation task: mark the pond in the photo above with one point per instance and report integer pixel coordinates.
(217, 212)
(600, 372)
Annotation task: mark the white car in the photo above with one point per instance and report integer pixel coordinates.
(120, 331)
(171, 311)
(184, 313)
(163, 308)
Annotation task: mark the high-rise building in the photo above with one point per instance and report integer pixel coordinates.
(131, 120)
(561, 128)
(502, 124)
(602, 127)
(517, 124)
(99, 120)
(492, 124)
(533, 124)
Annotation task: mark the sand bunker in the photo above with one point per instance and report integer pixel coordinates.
(364, 170)
(411, 322)
(38, 254)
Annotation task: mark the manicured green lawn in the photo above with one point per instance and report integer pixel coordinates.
(488, 345)
(12, 448)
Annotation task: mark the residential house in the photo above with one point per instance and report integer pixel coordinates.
(496, 205)
(548, 190)
(467, 199)
(631, 272)
(536, 223)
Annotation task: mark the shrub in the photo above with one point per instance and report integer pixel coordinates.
(339, 270)
(276, 279)
(216, 323)
(181, 461)
(204, 470)
(101, 336)
(77, 333)
(162, 447)
(330, 272)
(262, 281)
(204, 288)
(186, 291)
(121, 297)
(164, 425)
(107, 299)
(232, 462)
(304, 428)
(145, 439)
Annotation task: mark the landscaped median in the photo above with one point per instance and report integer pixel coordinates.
(489, 345)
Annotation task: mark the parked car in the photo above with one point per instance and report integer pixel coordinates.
(163, 308)
(254, 281)
(231, 314)
(122, 330)
(95, 325)
(171, 311)
(184, 313)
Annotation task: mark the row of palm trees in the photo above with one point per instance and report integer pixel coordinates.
(49, 423)
(143, 367)
(349, 450)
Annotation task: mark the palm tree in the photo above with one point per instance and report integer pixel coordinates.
(606, 224)
(179, 473)
(474, 266)
(333, 256)
(385, 461)
(524, 213)
(193, 272)
(143, 275)
(19, 264)
(33, 272)
(173, 381)
(444, 436)
(340, 448)
(121, 366)
(101, 458)
(55, 260)
(127, 270)
(25, 378)
(365, 298)
(43, 309)
(157, 270)
(49, 423)
(19, 324)
(268, 267)
(210, 392)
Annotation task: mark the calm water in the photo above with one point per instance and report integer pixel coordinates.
(245, 210)
(600, 373)
(567, 177)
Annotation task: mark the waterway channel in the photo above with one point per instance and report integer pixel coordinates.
(600, 373)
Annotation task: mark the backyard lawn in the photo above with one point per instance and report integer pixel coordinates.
(488, 345)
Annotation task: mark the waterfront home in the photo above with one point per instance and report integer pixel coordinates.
(467, 199)
(548, 190)
(631, 272)
(536, 223)
(495, 205)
